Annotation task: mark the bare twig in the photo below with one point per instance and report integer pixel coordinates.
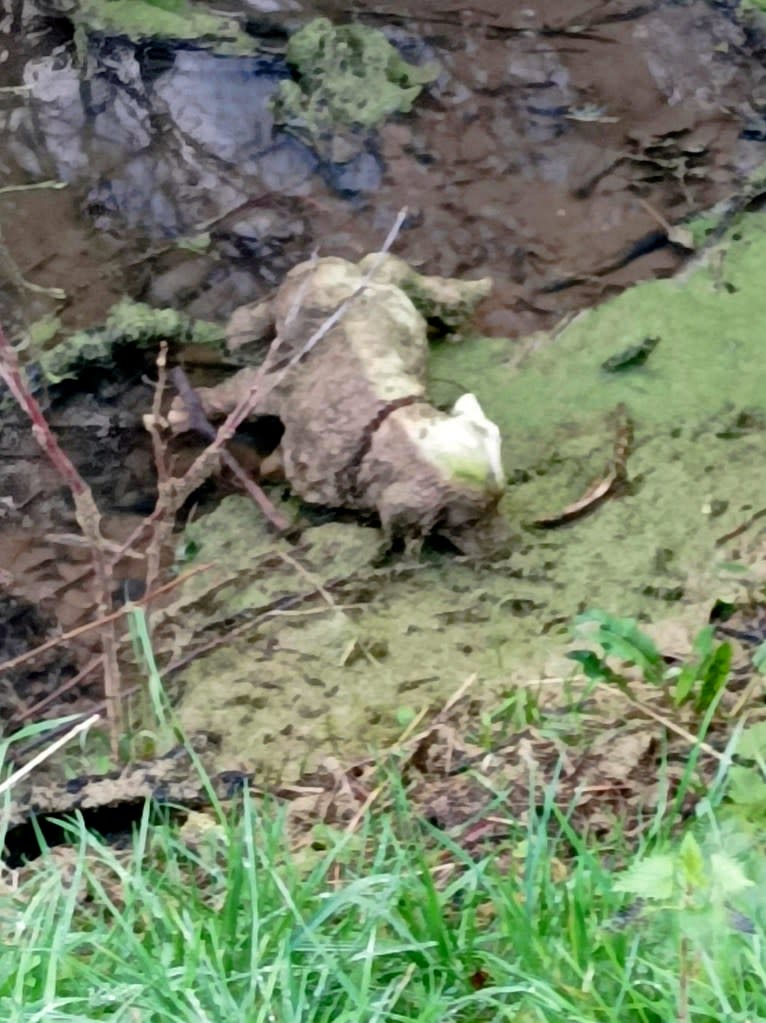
(29, 655)
(49, 185)
(153, 424)
(670, 725)
(199, 422)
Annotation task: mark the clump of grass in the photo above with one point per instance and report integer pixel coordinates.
(391, 922)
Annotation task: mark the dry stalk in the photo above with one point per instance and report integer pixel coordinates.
(89, 521)
(152, 423)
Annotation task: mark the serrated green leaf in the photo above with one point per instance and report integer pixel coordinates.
(727, 874)
(650, 878)
(691, 862)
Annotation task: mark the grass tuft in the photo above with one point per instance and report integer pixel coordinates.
(221, 920)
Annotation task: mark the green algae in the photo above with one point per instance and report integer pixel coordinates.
(555, 412)
(331, 676)
(349, 77)
(162, 19)
(335, 680)
(129, 325)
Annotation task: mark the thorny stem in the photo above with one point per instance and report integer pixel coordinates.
(88, 518)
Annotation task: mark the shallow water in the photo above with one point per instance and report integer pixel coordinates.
(525, 159)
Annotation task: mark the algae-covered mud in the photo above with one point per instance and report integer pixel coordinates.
(338, 677)
(566, 151)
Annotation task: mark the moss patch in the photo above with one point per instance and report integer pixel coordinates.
(349, 77)
(697, 405)
(129, 324)
(162, 19)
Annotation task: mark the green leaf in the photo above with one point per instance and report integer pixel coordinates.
(592, 665)
(651, 878)
(691, 862)
(752, 743)
(746, 789)
(684, 684)
(195, 243)
(703, 641)
(714, 674)
(728, 876)
(622, 638)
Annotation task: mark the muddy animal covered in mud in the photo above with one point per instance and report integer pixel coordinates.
(359, 432)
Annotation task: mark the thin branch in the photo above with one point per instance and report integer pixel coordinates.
(48, 185)
(89, 520)
(199, 422)
(153, 424)
(29, 655)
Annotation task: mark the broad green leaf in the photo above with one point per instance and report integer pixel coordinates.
(727, 875)
(650, 878)
(714, 674)
(691, 862)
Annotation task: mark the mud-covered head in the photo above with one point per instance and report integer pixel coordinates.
(437, 472)
(465, 447)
